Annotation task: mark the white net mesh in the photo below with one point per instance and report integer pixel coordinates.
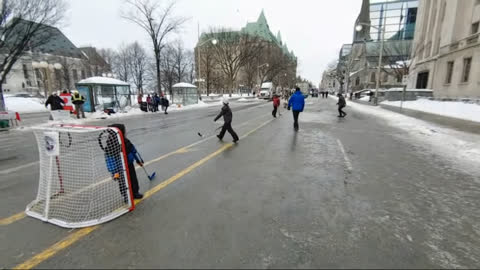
(83, 176)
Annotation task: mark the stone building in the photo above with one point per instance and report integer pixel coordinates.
(446, 50)
(55, 65)
(359, 61)
(249, 76)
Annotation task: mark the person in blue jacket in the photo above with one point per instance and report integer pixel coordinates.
(113, 160)
(297, 103)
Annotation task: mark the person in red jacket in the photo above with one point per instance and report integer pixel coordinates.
(276, 104)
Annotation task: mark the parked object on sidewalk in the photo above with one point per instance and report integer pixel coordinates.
(297, 103)
(144, 106)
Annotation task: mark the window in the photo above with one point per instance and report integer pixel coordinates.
(83, 73)
(75, 75)
(422, 80)
(372, 77)
(448, 79)
(467, 64)
(25, 71)
(475, 28)
(399, 78)
(357, 81)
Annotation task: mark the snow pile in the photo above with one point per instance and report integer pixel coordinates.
(25, 105)
(456, 109)
(460, 148)
(365, 98)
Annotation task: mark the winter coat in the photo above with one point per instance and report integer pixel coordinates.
(341, 101)
(55, 102)
(226, 112)
(297, 101)
(149, 100)
(78, 99)
(276, 102)
(165, 102)
(156, 100)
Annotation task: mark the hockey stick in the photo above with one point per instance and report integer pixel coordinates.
(201, 135)
(150, 177)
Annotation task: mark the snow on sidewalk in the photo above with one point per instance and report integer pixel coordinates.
(459, 148)
(455, 109)
(25, 105)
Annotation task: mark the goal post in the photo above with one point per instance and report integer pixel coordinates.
(84, 178)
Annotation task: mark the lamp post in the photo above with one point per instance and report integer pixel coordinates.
(359, 28)
(214, 42)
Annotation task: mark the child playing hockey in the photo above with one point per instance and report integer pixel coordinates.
(113, 160)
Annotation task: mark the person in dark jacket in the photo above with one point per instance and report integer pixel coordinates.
(156, 102)
(276, 104)
(297, 103)
(341, 104)
(78, 100)
(55, 102)
(165, 103)
(113, 160)
(227, 119)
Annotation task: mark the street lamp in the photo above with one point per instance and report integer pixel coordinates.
(214, 42)
(359, 28)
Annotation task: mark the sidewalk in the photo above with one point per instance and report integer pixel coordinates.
(446, 121)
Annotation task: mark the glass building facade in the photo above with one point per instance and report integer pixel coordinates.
(401, 17)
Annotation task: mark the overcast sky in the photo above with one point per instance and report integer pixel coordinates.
(313, 29)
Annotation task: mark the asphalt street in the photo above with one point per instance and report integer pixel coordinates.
(339, 193)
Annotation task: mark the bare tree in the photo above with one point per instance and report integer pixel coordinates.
(157, 22)
(396, 59)
(208, 63)
(233, 51)
(138, 65)
(24, 26)
(180, 58)
(122, 63)
(168, 68)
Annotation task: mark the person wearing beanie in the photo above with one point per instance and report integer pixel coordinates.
(226, 112)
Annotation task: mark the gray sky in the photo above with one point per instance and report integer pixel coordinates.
(313, 29)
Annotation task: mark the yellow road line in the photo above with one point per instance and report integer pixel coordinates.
(181, 150)
(80, 233)
(11, 219)
(49, 252)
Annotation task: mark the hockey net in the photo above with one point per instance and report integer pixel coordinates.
(84, 178)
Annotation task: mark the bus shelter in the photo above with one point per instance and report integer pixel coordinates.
(104, 93)
(185, 94)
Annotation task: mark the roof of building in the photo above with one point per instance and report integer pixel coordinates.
(102, 80)
(183, 85)
(50, 40)
(261, 29)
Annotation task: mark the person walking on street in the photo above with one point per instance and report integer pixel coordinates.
(326, 94)
(165, 103)
(276, 104)
(297, 103)
(78, 100)
(341, 104)
(226, 112)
